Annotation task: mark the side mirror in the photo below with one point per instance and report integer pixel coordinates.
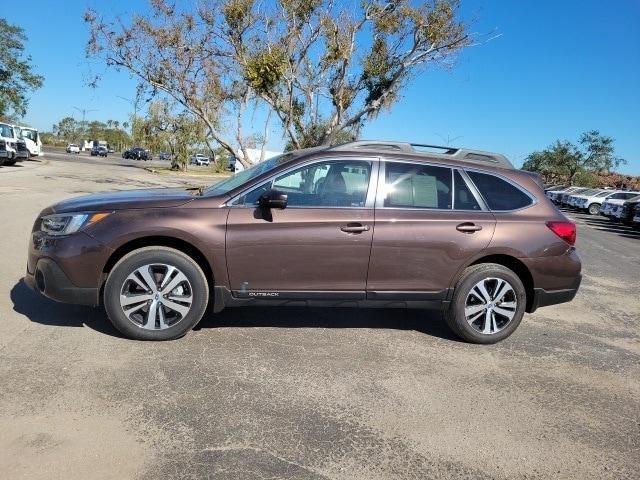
(273, 199)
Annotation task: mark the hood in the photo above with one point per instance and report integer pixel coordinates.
(127, 199)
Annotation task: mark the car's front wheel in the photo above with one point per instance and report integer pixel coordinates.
(594, 209)
(156, 293)
(488, 304)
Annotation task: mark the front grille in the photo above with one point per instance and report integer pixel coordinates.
(22, 147)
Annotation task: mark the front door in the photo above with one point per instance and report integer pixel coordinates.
(428, 224)
(318, 246)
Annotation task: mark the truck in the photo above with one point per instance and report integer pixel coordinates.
(32, 140)
(254, 156)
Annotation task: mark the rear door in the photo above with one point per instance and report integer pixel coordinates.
(318, 246)
(429, 222)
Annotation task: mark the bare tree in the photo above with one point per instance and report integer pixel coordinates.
(322, 69)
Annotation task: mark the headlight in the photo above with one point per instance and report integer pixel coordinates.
(67, 223)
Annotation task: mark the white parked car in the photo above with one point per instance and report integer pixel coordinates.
(554, 195)
(592, 203)
(615, 200)
(573, 199)
(73, 148)
(200, 159)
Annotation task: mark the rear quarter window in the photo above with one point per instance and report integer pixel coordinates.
(498, 193)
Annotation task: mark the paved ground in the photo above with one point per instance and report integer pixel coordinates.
(313, 394)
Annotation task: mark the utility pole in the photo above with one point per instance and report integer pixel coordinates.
(84, 112)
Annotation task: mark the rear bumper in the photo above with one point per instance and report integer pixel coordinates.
(50, 280)
(556, 279)
(544, 298)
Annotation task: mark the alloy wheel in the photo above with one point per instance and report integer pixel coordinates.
(156, 296)
(491, 305)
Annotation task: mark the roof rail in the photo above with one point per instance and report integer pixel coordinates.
(438, 151)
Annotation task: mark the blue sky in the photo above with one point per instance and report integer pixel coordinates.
(556, 69)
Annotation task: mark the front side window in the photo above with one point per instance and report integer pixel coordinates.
(409, 185)
(323, 184)
(30, 134)
(498, 193)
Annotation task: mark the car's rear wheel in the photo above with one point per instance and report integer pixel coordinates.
(488, 304)
(594, 209)
(156, 293)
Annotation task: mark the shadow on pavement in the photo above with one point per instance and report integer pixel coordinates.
(429, 322)
(40, 309)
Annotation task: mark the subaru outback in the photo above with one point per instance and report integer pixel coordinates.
(364, 224)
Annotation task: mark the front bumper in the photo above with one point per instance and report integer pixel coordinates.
(50, 280)
(8, 153)
(66, 268)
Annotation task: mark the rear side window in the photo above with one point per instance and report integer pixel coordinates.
(464, 199)
(498, 193)
(411, 185)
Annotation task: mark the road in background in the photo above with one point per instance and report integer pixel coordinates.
(313, 393)
(110, 159)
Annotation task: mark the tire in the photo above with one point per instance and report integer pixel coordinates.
(171, 319)
(492, 275)
(594, 209)
(9, 163)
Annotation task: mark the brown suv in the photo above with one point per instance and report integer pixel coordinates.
(382, 224)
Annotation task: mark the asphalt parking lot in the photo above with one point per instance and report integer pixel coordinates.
(312, 393)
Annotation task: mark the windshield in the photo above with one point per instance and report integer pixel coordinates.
(6, 130)
(244, 176)
(604, 194)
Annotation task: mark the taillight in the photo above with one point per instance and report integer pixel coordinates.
(565, 230)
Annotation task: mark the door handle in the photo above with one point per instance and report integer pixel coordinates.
(468, 227)
(355, 228)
